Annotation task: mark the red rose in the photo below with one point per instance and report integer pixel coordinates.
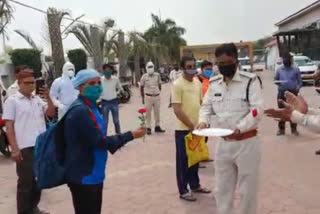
(254, 112)
(143, 110)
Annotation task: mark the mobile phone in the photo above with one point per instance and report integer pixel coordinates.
(39, 84)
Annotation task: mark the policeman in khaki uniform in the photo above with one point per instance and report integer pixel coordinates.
(150, 85)
(235, 101)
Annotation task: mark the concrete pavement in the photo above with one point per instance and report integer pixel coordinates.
(141, 176)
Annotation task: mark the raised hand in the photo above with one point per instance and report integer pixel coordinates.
(297, 102)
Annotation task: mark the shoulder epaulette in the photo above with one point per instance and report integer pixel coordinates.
(215, 78)
(247, 74)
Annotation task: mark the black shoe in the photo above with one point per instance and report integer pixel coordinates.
(295, 133)
(281, 132)
(170, 105)
(158, 129)
(318, 152)
(38, 211)
(148, 131)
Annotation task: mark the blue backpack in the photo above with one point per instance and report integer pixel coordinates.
(49, 153)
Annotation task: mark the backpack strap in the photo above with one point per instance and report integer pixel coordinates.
(248, 87)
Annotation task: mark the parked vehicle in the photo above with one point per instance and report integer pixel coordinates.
(164, 77)
(245, 64)
(125, 95)
(4, 142)
(306, 67)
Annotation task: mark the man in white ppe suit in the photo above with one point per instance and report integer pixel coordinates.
(62, 91)
(234, 100)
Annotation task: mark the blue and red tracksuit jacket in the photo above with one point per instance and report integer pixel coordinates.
(87, 145)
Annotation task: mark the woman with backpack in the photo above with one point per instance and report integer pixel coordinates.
(87, 146)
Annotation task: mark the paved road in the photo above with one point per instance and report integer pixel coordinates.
(141, 177)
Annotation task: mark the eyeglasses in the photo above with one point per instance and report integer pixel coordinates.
(29, 82)
(150, 67)
(190, 67)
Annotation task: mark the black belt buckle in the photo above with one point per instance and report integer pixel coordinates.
(152, 95)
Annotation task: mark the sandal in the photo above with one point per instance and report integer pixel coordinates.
(202, 190)
(188, 197)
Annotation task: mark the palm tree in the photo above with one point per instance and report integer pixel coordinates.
(140, 47)
(166, 33)
(55, 17)
(94, 39)
(6, 16)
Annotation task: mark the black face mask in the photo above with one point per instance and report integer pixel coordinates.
(228, 70)
(287, 62)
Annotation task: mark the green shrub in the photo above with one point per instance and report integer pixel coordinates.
(79, 58)
(29, 57)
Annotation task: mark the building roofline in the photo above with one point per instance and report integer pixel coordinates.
(299, 13)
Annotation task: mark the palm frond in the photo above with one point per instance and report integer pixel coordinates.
(28, 38)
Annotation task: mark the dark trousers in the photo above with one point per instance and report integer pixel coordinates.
(28, 195)
(185, 175)
(113, 106)
(87, 199)
(282, 124)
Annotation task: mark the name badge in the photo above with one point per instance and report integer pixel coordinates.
(218, 95)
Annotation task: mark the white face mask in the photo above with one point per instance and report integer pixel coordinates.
(150, 71)
(70, 73)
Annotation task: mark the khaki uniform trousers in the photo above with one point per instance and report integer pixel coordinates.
(152, 103)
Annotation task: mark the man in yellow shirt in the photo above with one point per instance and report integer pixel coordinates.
(186, 101)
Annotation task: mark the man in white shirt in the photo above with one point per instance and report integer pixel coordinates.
(111, 86)
(173, 76)
(24, 114)
(62, 91)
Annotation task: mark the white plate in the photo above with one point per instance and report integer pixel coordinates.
(280, 81)
(213, 132)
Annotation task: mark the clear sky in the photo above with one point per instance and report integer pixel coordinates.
(206, 21)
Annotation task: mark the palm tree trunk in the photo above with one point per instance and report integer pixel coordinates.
(56, 43)
(97, 50)
(122, 64)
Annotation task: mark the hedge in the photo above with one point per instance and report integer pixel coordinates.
(29, 57)
(79, 58)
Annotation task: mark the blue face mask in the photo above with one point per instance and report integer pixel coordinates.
(92, 93)
(208, 73)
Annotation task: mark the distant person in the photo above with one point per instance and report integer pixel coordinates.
(173, 76)
(109, 98)
(62, 91)
(24, 114)
(205, 75)
(186, 101)
(289, 78)
(150, 88)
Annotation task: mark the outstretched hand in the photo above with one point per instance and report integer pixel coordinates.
(281, 114)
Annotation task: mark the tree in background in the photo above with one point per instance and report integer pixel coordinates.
(166, 33)
(54, 17)
(95, 39)
(29, 57)
(260, 43)
(6, 16)
(28, 39)
(79, 58)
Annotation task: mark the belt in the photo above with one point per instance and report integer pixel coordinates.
(152, 95)
(243, 136)
(115, 99)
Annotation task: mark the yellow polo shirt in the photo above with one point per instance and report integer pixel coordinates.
(189, 95)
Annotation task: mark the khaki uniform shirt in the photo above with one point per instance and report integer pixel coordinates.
(228, 104)
(151, 83)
